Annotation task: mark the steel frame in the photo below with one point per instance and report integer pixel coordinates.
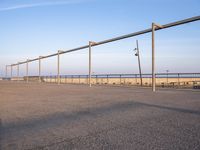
(153, 28)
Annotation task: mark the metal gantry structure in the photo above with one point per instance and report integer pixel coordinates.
(153, 28)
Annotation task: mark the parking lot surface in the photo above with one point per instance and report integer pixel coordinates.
(50, 116)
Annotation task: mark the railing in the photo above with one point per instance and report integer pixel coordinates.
(170, 80)
(174, 80)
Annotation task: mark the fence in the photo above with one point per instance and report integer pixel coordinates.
(175, 80)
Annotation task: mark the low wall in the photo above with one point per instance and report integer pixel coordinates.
(174, 82)
(17, 79)
(127, 81)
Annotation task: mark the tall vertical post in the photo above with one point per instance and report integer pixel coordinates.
(138, 54)
(178, 80)
(154, 26)
(18, 72)
(153, 59)
(90, 62)
(40, 69)
(58, 74)
(11, 72)
(107, 80)
(6, 71)
(58, 67)
(90, 46)
(27, 71)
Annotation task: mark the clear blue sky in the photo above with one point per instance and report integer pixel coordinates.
(30, 28)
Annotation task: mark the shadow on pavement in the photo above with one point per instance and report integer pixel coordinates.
(91, 113)
(1, 134)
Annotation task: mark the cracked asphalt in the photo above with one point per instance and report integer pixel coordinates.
(48, 116)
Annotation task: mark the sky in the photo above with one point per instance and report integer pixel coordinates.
(33, 28)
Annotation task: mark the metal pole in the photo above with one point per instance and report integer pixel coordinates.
(40, 69)
(6, 71)
(90, 45)
(153, 60)
(58, 76)
(65, 78)
(27, 71)
(90, 62)
(107, 80)
(154, 27)
(11, 72)
(18, 72)
(178, 80)
(138, 52)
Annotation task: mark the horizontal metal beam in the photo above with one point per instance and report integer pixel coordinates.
(119, 38)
